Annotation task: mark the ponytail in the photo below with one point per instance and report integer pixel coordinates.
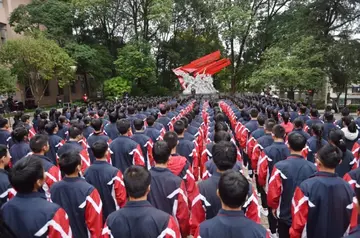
(317, 130)
(337, 138)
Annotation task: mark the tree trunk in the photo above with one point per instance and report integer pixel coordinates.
(291, 94)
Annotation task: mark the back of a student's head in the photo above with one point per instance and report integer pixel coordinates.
(261, 120)
(269, 124)
(50, 127)
(224, 155)
(150, 120)
(233, 189)
(254, 113)
(131, 110)
(221, 126)
(185, 121)
(278, 132)
(303, 109)
(137, 181)
(286, 117)
(163, 110)
(138, 124)
(350, 124)
(179, 127)
(101, 113)
(70, 162)
(123, 126)
(222, 136)
(329, 116)
(39, 143)
(4, 123)
(19, 134)
(219, 117)
(329, 156)
(161, 152)
(75, 132)
(4, 155)
(296, 142)
(345, 112)
(25, 118)
(99, 149)
(314, 112)
(298, 123)
(27, 175)
(171, 138)
(96, 124)
(113, 117)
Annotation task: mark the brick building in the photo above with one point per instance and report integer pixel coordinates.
(23, 92)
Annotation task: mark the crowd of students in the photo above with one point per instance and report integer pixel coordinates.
(164, 167)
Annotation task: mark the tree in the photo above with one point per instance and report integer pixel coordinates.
(7, 80)
(116, 87)
(36, 61)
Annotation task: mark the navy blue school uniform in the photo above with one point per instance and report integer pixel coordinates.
(145, 143)
(328, 126)
(142, 220)
(108, 180)
(347, 164)
(4, 186)
(104, 121)
(258, 133)
(63, 132)
(159, 126)
(313, 121)
(339, 123)
(171, 114)
(18, 151)
(88, 130)
(131, 119)
(211, 168)
(193, 130)
(5, 136)
(112, 131)
(353, 178)
(312, 147)
(94, 138)
(252, 125)
(188, 136)
(167, 193)
(357, 121)
(301, 132)
(31, 215)
(305, 118)
(230, 224)
(153, 133)
(164, 120)
(355, 233)
(125, 152)
(265, 140)
(82, 203)
(69, 146)
(285, 177)
(187, 149)
(327, 194)
(55, 142)
(293, 116)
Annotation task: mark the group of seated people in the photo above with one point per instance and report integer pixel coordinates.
(179, 167)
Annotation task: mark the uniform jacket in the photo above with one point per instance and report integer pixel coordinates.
(63, 132)
(311, 148)
(301, 132)
(111, 131)
(94, 138)
(146, 145)
(230, 224)
(326, 194)
(153, 133)
(142, 220)
(285, 177)
(108, 181)
(168, 193)
(82, 203)
(5, 136)
(347, 164)
(18, 151)
(188, 150)
(55, 142)
(125, 152)
(259, 146)
(211, 168)
(31, 215)
(88, 130)
(5, 187)
(164, 120)
(78, 147)
(328, 126)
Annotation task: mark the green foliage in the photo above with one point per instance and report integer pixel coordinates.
(115, 87)
(7, 81)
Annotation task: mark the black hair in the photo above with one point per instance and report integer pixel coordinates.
(179, 127)
(337, 138)
(96, 124)
(44, 115)
(131, 110)
(3, 122)
(41, 126)
(221, 126)
(50, 127)
(87, 121)
(99, 149)
(25, 117)
(3, 150)
(329, 116)
(269, 124)
(79, 116)
(286, 117)
(254, 113)
(318, 130)
(171, 138)
(222, 136)
(52, 114)
(345, 112)
(113, 117)
(38, 142)
(224, 155)
(138, 124)
(261, 120)
(279, 131)
(314, 112)
(186, 122)
(330, 156)
(298, 123)
(233, 189)
(19, 134)
(303, 109)
(349, 122)
(163, 110)
(150, 120)
(219, 117)
(123, 126)
(101, 113)
(137, 179)
(296, 141)
(69, 161)
(25, 173)
(161, 152)
(74, 132)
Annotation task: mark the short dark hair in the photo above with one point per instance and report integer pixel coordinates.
(74, 131)
(222, 136)
(99, 148)
(161, 152)
(345, 112)
(186, 121)
(254, 113)
(329, 116)
(314, 112)
(131, 110)
(101, 113)
(3, 150)
(69, 161)
(224, 155)
(298, 123)
(279, 132)
(87, 120)
(25, 117)
(150, 120)
(221, 126)
(296, 141)
(233, 188)
(25, 173)
(179, 127)
(19, 133)
(96, 124)
(3, 122)
(50, 127)
(38, 142)
(138, 124)
(163, 110)
(261, 120)
(113, 117)
(171, 138)
(269, 124)
(137, 180)
(330, 156)
(123, 126)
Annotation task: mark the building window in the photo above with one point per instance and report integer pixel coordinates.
(28, 93)
(73, 88)
(2, 32)
(356, 89)
(47, 91)
(60, 90)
